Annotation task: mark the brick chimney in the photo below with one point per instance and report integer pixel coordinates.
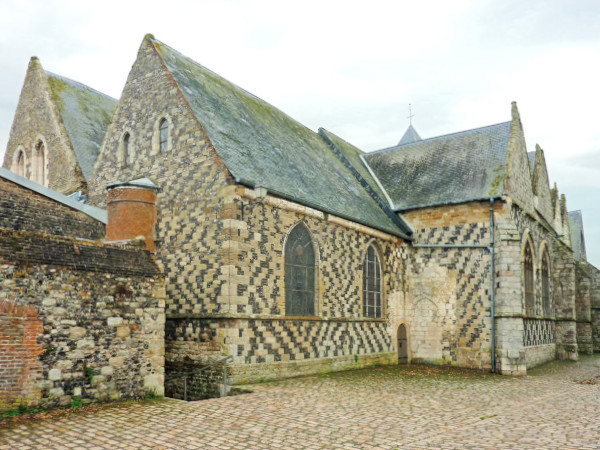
(132, 211)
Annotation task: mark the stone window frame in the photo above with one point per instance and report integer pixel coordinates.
(315, 246)
(36, 176)
(15, 162)
(156, 135)
(378, 253)
(546, 282)
(528, 309)
(122, 150)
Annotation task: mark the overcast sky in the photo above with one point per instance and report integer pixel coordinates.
(353, 67)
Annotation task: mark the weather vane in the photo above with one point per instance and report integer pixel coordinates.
(410, 114)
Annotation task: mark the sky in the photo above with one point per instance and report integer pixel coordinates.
(353, 67)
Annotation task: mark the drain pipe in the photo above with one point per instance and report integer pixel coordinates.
(490, 248)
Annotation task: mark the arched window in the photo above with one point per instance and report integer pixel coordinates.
(299, 273)
(19, 163)
(528, 280)
(38, 164)
(163, 135)
(126, 149)
(372, 284)
(546, 284)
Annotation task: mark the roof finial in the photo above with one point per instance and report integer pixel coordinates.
(410, 114)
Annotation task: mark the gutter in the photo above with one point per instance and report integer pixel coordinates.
(490, 248)
(391, 214)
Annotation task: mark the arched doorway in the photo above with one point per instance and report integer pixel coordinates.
(402, 345)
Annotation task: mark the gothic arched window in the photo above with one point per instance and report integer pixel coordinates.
(299, 273)
(19, 164)
(546, 284)
(528, 281)
(126, 149)
(163, 135)
(38, 165)
(372, 284)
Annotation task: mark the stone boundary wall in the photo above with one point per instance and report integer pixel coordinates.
(22, 209)
(90, 326)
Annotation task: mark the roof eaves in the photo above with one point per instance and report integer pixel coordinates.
(457, 202)
(99, 214)
(321, 208)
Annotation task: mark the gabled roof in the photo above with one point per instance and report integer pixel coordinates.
(92, 211)
(262, 146)
(577, 236)
(86, 114)
(410, 136)
(455, 168)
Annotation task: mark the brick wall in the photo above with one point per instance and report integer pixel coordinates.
(26, 210)
(19, 352)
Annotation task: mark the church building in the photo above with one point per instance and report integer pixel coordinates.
(292, 251)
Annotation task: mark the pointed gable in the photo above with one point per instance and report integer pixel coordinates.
(531, 157)
(59, 116)
(454, 168)
(86, 114)
(541, 186)
(517, 184)
(577, 236)
(262, 146)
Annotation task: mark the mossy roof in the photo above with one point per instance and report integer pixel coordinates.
(454, 168)
(576, 234)
(262, 146)
(86, 114)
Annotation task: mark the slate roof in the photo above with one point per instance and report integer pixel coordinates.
(577, 236)
(410, 136)
(454, 168)
(86, 114)
(262, 146)
(99, 214)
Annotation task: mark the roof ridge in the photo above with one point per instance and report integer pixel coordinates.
(395, 147)
(154, 40)
(79, 84)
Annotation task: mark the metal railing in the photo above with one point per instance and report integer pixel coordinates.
(196, 371)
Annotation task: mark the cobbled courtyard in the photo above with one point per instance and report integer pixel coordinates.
(413, 406)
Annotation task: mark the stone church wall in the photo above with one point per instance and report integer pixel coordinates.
(191, 179)
(594, 276)
(446, 301)
(541, 333)
(255, 330)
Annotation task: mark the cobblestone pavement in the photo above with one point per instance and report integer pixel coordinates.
(556, 406)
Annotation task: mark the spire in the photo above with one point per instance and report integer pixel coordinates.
(410, 136)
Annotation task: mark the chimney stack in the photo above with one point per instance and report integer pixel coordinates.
(132, 211)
